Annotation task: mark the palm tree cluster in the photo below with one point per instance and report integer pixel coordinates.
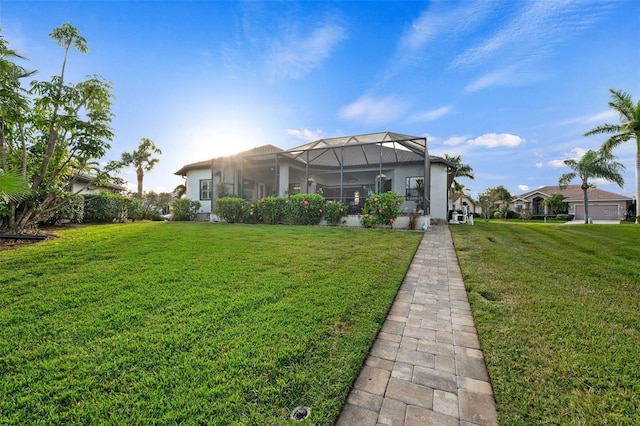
(626, 130)
(601, 164)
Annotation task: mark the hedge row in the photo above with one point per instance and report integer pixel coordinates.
(298, 209)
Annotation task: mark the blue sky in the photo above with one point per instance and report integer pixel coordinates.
(510, 86)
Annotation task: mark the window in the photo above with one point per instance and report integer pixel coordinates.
(205, 189)
(414, 188)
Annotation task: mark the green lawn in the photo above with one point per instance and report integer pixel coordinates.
(557, 309)
(192, 322)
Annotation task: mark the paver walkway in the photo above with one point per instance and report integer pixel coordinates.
(426, 366)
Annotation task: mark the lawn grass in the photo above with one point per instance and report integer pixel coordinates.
(194, 323)
(558, 315)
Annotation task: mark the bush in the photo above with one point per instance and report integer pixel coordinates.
(334, 212)
(251, 212)
(105, 207)
(230, 209)
(513, 215)
(381, 209)
(134, 208)
(184, 209)
(273, 210)
(305, 209)
(71, 210)
(564, 217)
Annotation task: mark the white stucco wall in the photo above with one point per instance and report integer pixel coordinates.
(439, 191)
(193, 187)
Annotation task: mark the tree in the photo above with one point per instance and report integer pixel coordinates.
(141, 159)
(592, 165)
(556, 203)
(459, 190)
(51, 133)
(629, 128)
(462, 171)
(493, 200)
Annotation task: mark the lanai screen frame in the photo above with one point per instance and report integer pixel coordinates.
(330, 154)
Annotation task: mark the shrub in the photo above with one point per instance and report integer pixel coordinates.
(564, 217)
(381, 209)
(334, 212)
(71, 210)
(230, 209)
(305, 209)
(413, 220)
(105, 207)
(184, 209)
(273, 210)
(134, 208)
(512, 214)
(251, 212)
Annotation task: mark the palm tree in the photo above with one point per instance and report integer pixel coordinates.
(180, 190)
(13, 187)
(141, 160)
(593, 164)
(629, 128)
(460, 190)
(462, 171)
(556, 203)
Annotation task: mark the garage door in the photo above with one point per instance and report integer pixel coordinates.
(605, 212)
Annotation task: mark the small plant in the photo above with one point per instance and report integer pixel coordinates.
(413, 220)
(334, 212)
(230, 209)
(381, 209)
(273, 210)
(306, 209)
(184, 209)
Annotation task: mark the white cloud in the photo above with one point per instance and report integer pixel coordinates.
(523, 187)
(600, 117)
(537, 30)
(455, 140)
(443, 20)
(374, 110)
(495, 140)
(431, 115)
(539, 165)
(556, 164)
(431, 138)
(306, 134)
(499, 77)
(294, 57)
(574, 154)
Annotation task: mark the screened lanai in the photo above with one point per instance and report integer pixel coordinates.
(349, 168)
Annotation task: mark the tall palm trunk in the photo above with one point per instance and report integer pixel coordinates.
(584, 188)
(638, 184)
(140, 175)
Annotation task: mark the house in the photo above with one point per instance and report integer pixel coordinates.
(462, 202)
(603, 205)
(347, 169)
(84, 183)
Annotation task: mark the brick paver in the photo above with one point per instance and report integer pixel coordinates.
(426, 366)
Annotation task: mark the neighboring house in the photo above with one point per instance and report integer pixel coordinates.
(459, 202)
(346, 169)
(84, 183)
(603, 205)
